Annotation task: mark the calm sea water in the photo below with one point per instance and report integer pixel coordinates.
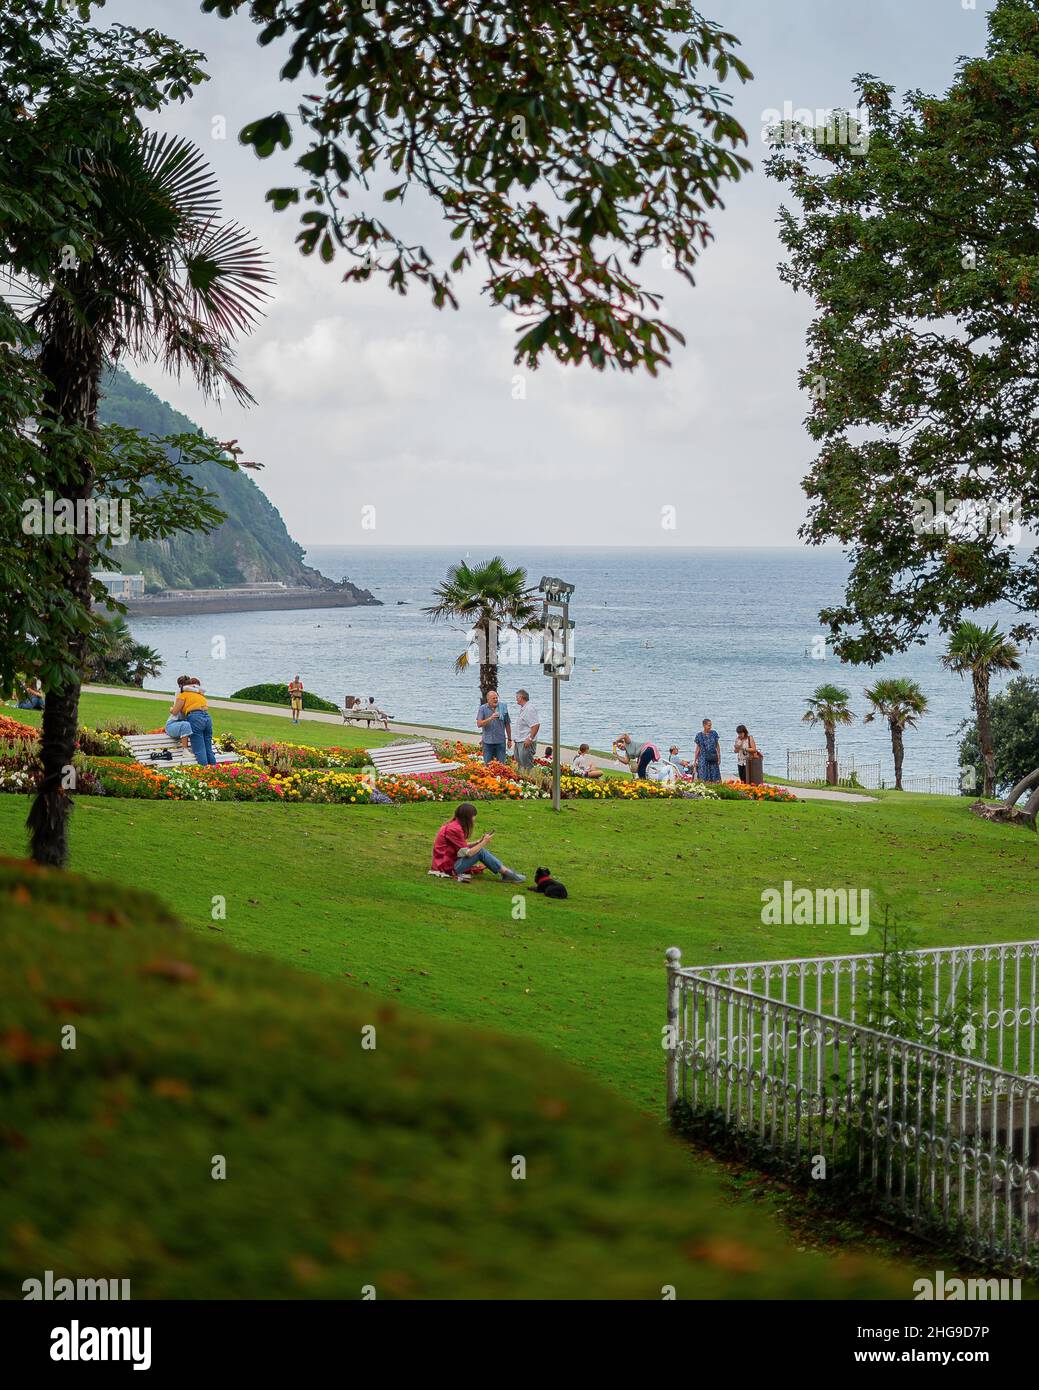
(664, 638)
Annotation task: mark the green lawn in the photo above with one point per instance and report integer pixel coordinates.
(343, 892)
(228, 1127)
(95, 710)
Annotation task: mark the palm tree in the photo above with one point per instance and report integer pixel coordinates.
(486, 598)
(980, 651)
(119, 659)
(165, 281)
(901, 702)
(829, 707)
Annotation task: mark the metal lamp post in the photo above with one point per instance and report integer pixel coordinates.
(557, 655)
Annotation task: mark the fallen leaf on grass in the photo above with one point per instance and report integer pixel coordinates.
(177, 970)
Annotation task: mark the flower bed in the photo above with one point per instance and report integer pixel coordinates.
(633, 789)
(760, 791)
(101, 743)
(14, 729)
(274, 771)
(288, 757)
(225, 782)
(132, 780)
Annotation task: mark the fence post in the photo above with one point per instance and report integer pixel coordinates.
(674, 964)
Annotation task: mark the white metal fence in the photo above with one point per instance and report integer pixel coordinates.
(809, 765)
(912, 1079)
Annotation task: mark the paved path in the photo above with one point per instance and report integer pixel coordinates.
(466, 735)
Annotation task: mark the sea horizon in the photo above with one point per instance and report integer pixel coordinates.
(665, 637)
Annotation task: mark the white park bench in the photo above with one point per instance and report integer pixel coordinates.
(369, 713)
(142, 746)
(410, 759)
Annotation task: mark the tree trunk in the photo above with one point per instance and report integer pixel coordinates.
(831, 755)
(71, 364)
(488, 641)
(897, 752)
(988, 752)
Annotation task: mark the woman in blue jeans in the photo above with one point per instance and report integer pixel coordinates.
(192, 707)
(454, 856)
(202, 737)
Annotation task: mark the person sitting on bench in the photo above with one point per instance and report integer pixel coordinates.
(177, 725)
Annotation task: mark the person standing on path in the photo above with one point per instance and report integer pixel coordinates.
(528, 722)
(708, 754)
(296, 698)
(492, 719)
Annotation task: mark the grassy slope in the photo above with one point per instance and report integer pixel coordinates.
(95, 710)
(345, 1167)
(344, 893)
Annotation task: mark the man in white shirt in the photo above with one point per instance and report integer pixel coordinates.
(525, 734)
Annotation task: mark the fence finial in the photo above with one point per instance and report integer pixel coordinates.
(673, 956)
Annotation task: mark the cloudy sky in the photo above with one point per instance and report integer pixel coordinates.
(366, 399)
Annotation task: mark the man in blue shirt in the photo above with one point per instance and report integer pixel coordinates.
(492, 719)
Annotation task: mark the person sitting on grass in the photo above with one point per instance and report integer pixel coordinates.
(33, 696)
(582, 765)
(454, 856)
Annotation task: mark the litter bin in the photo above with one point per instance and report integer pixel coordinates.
(755, 769)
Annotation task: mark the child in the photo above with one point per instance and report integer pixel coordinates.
(582, 765)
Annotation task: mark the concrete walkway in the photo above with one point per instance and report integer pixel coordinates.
(422, 730)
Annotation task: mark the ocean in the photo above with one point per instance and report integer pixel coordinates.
(663, 639)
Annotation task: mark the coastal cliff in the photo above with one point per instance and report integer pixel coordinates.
(251, 546)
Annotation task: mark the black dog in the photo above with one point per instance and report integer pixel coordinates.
(551, 887)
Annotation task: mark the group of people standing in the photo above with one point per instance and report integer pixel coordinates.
(497, 736)
(646, 759)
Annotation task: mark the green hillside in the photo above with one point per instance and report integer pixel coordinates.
(253, 544)
(225, 1126)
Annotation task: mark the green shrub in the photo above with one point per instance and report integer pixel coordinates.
(345, 1166)
(273, 694)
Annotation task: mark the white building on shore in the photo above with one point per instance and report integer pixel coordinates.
(120, 586)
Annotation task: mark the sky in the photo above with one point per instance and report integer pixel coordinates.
(366, 400)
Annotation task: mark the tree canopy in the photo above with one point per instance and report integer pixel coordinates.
(67, 89)
(562, 141)
(920, 250)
